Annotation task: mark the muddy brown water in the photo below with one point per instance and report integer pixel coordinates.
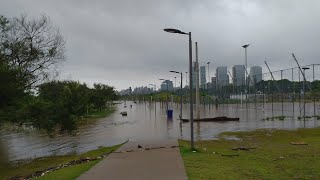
(147, 121)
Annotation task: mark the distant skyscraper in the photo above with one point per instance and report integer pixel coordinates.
(203, 77)
(238, 74)
(167, 84)
(194, 75)
(255, 74)
(213, 82)
(222, 76)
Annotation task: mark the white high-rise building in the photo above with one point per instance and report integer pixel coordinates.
(238, 74)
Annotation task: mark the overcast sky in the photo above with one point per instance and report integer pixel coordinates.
(122, 42)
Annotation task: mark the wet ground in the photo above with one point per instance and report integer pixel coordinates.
(147, 121)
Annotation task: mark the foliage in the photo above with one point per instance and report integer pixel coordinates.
(32, 46)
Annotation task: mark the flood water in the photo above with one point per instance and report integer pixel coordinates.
(149, 121)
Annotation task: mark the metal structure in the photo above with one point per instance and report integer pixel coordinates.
(180, 92)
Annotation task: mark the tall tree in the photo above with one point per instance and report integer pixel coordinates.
(33, 46)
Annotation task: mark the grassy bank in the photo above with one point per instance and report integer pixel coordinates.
(47, 162)
(271, 156)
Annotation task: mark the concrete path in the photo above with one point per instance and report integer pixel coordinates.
(155, 163)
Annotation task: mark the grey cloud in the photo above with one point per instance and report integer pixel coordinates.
(121, 42)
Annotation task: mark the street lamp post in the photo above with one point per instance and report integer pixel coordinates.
(246, 64)
(190, 79)
(208, 75)
(180, 92)
(186, 78)
(304, 91)
(208, 79)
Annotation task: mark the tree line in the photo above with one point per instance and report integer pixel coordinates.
(30, 52)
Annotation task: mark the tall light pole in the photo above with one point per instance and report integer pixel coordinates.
(246, 64)
(304, 92)
(196, 69)
(186, 78)
(190, 79)
(180, 92)
(208, 75)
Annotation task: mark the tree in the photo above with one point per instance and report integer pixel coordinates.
(32, 46)
(30, 50)
(101, 94)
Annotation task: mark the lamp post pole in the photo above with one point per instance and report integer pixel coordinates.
(180, 92)
(304, 92)
(246, 64)
(190, 80)
(208, 81)
(186, 78)
(208, 75)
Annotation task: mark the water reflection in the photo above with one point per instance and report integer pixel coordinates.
(148, 121)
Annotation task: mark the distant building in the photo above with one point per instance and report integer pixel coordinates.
(213, 82)
(222, 76)
(203, 80)
(125, 91)
(194, 75)
(238, 74)
(166, 85)
(255, 74)
(141, 90)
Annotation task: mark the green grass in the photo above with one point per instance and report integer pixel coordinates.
(52, 161)
(69, 173)
(273, 158)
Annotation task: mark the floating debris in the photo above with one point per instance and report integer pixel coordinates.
(215, 119)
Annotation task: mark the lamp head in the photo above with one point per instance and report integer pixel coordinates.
(171, 30)
(245, 46)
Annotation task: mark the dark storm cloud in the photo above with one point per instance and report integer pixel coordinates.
(122, 42)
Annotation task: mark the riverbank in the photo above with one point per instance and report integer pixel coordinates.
(260, 154)
(43, 163)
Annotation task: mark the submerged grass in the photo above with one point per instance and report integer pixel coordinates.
(52, 161)
(272, 156)
(96, 115)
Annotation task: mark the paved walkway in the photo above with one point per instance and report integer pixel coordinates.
(141, 163)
